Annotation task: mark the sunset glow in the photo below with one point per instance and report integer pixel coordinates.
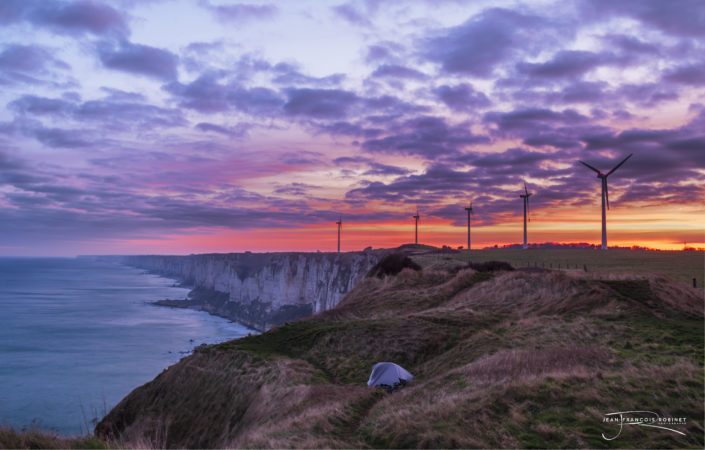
(177, 126)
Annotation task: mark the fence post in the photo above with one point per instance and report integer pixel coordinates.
(585, 267)
(695, 283)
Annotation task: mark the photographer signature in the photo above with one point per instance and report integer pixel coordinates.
(640, 418)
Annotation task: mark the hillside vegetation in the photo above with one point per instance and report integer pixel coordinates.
(680, 265)
(501, 359)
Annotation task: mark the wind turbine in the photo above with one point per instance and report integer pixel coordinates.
(469, 210)
(525, 196)
(605, 195)
(416, 230)
(340, 226)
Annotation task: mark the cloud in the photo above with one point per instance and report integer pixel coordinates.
(116, 112)
(241, 13)
(565, 64)
(530, 118)
(428, 136)
(207, 95)
(351, 15)
(30, 64)
(320, 103)
(289, 74)
(691, 74)
(79, 17)
(139, 59)
(484, 41)
(686, 18)
(371, 168)
(239, 130)
(461, 97)
(397, 71)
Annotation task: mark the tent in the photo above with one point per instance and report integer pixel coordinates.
(389, 376)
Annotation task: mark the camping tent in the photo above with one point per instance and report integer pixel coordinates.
(388, 374)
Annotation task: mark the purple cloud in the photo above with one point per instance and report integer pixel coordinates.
(477, 46)
(430, 137)
(207, 95)
(320, 103)
(79, 17)
(462, 97)
(566, 63)
(686, 18)
(139, 59)
(239, 130)
(352, 15)
(397, 71)
(692, 74)
(241, 13)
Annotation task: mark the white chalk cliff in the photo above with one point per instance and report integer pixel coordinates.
(262, 289)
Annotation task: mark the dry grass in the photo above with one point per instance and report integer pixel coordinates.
(35, 438)
(503, 360)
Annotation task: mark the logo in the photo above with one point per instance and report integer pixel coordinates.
(648, 419)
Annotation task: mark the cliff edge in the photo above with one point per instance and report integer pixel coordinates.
(261, 290)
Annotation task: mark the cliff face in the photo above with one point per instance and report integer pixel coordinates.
(262, 289)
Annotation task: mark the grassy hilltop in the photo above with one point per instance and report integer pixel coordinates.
(680, 265)
(501, 359)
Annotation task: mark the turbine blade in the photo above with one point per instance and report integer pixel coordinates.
(588, 166)
(526, 191)
(617, 166)
(607, 193)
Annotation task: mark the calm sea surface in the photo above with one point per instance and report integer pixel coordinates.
(77, 335)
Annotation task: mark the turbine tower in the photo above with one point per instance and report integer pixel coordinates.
(340, 226)
(605, 195)
(469, 210)
(525, 196)
(416, 229)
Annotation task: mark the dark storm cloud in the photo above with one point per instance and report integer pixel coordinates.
(426, 136)
(462, 97)
(477, 46)
(320, 103)
(241, 13)
(139, 59)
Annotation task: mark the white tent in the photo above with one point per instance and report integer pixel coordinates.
(388, 373)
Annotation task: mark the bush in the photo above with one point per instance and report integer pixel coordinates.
(392, 265)
(490, 266)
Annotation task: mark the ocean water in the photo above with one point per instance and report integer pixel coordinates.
(77, 335)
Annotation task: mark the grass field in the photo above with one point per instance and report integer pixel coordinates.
(681, 265)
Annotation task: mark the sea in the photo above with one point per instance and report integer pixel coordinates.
(79, 334)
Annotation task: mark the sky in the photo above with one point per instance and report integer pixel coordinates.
(176, 127)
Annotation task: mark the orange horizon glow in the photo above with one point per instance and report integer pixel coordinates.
(358, 236)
